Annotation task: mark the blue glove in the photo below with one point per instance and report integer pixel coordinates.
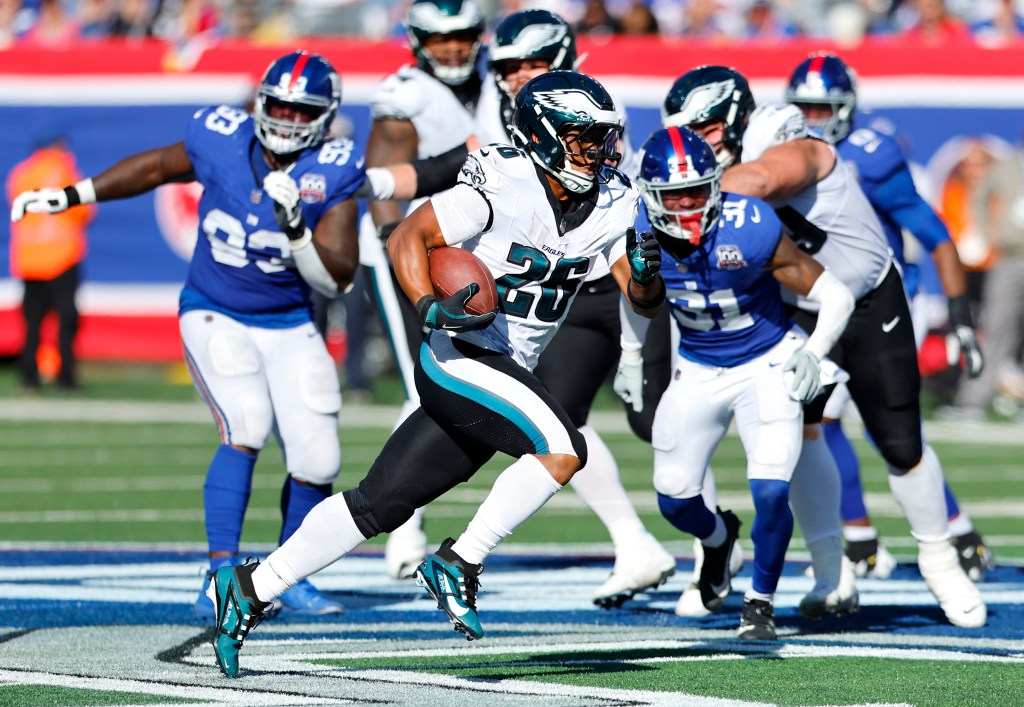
(450, 313)
(644, 255)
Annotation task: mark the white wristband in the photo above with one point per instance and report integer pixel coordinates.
(86, 192)
(382, 182)
(632, 357)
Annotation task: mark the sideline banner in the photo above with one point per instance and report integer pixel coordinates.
(109, 100)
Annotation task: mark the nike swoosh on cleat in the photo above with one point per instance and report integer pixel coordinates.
(889, 326)
(456, 608)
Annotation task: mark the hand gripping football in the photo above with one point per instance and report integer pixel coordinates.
(451, 269)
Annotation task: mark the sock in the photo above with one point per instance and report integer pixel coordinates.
(960, 525)
(814, 492)
(518, 492)
(690, 515)
(326, 535)
(826, 559)
(225, 497)
(718, 535)
(852, 499)
(859, 533)
(298, 499)
(763, 596)
(599, 486)
(919, 493)
(772, 530)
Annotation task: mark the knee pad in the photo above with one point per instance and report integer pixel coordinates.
(320, 459)
(256, 420)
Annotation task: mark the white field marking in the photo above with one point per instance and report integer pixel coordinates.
(201, 694)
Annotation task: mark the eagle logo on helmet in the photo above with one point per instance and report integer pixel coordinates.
(534, 38)
(700, 100)
(573, 103)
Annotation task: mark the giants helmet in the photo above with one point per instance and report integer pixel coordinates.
(825, 79)
(532, 34)
(306, 82)
(553, 105)
(430, 17)
(711, 93)
(673, 159)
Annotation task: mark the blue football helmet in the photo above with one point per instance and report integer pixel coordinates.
(532, 34)
(825, 79)
(711, 93)
(671, 160)
(304, 82)
(430, 17)
(560, 107)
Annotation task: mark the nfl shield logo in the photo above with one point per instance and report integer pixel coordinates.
(313, 188)
(730, 258)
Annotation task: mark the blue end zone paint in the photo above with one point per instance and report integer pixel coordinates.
(377, 605)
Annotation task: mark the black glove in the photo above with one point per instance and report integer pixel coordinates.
(450, 313)
(644, 255)
(385, 231)
(964, 340)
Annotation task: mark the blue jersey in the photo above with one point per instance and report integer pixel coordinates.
(242, 265)
(885, 179)
(727, 304)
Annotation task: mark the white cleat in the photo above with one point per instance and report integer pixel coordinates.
(959, 598)
(642, 563)
(836, 600)
(405, 549)
(690, 604)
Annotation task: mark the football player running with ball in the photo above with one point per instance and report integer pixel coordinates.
(277, 217)
(538, 215)
(725, 257)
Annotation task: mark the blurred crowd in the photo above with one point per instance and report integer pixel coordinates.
(55, 22)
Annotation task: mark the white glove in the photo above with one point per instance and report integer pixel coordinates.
(963, 340)
(42, 201)
(806, 370)
(629, 379)
(287, 205)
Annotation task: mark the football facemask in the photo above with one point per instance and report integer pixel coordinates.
(296, 102)
(825, 80)
(428, 18)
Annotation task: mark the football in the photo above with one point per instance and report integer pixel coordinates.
(451, 269)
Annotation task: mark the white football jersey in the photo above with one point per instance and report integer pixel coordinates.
(502, 212)
(441, 120)
(853, 247)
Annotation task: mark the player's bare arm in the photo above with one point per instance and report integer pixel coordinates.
(408, 246)
(782, 171)
(793, 268)
(337, 241)
(391, 142)
(144, 171)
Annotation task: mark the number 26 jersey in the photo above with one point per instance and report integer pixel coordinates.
(242, 264)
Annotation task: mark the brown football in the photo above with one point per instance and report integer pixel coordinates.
(451, 269)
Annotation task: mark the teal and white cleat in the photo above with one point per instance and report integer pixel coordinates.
(238, 611)
(453, 582)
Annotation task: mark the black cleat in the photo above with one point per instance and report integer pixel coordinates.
(715, 580)
(758, 621)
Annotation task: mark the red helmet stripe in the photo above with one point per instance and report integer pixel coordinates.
(676, 136)
(816, 63)
(300, 66)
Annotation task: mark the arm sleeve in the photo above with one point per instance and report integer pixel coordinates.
(897, 196)
(835, 304)
(634, 327)
(462, 212)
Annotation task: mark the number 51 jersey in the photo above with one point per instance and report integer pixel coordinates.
(242, 265)
(503, 212)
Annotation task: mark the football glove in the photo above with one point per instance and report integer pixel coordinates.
(287, 204)
(644, 255)
(50, 201)
(963, 340)
(806, 371)
(629, 379)
(450, 313)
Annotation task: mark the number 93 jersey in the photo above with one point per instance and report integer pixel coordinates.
(242, 265)
(503, 211)
(727, 304)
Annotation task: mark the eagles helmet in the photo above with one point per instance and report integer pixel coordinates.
(532, 34)
(560, 107)
(825, 80)
(711, 93)
(430, 17)
(671, 160)
(306, 83)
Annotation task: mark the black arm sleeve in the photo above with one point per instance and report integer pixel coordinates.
(439, 172)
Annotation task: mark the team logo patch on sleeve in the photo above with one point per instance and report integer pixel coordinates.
(730, 257)
(472, 172)
(313, 188)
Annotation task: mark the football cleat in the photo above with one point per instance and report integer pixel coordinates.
(238, 611)
(715, 579)
(307, 600)
(960, 600)
(203, 608)
(641, 563)
(975, 557)
(453, 583)
(405, 549)
(690, 603)
(758, 621)
(835, 600)
(870, 558)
